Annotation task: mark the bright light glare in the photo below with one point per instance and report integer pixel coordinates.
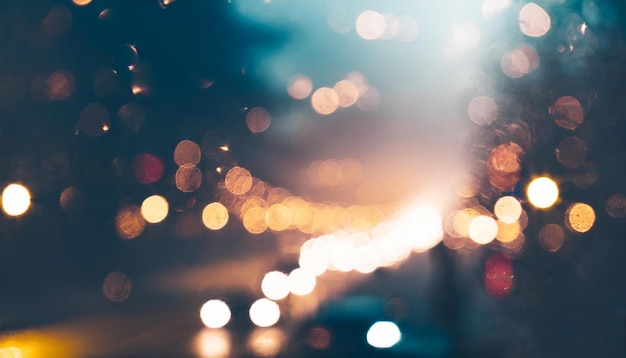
(214, 216)
(542, 192)
(494, 7)
(422, 226)
(154, 209)
(266, 342)
(342, 254)
(534, 21)
(11, 352)
(465, 35)
(212, 343)
(275, 285)
(314, 260)
(215, 314)
(370, 25)
(301, 282)
(264, 313)
(15, 199)
(508, 209)
(383, 334)
(483, 229)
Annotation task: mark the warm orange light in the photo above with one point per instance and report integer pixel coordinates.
(238, 180)
(214, 216)
(188, 178)
(266, 342)
(325, 100)
(129, 222)
(580, 217)
(508, 232)
(213, 343)
(254, 220)
(279, 217)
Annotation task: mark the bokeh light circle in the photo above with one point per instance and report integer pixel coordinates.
(580, 217)
(15, 199)
(129, 222)
(154, 209)
(507, 209)
(542, 192)
(213, 343)
(499, 276)
(325, 100)
(148, 168)
(383, 334)
(483, 110)
(567, 112)
(187, 152)
(264, 312)
(534, 21)
(370, 25)
(483, 229)
(81, 2)
(275, 285)
(266, 342)
(301, 282)
(551, 237)
(188, 178)
(215, 314)
(116, 286)
(238, 180)
(299, 86)
(258, 120)
(214, 216)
